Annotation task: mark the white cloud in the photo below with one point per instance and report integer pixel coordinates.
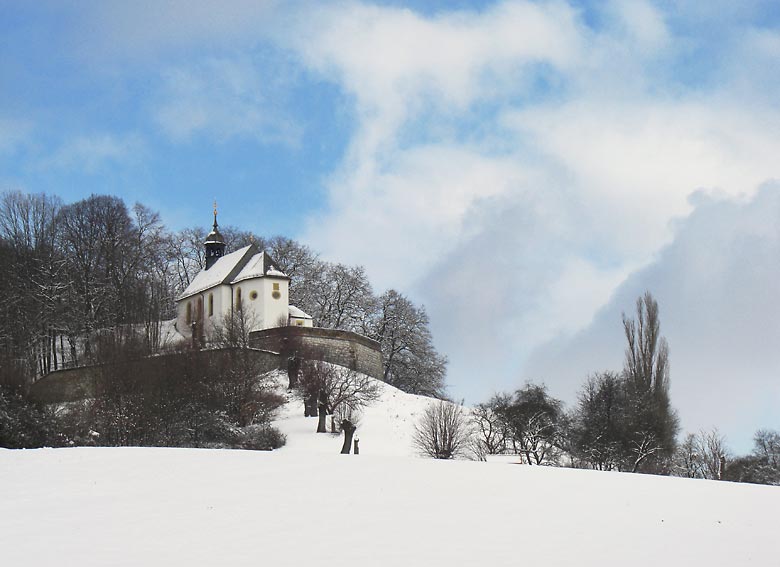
(222, 98)
(639, 160)
(397, 63)
(91, 152)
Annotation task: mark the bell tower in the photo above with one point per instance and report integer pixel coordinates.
(215, 244)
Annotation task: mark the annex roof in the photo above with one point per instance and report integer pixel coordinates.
(297, 313)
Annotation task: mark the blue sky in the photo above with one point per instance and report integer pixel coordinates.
(521, 168)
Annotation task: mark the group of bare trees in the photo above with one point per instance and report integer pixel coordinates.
(707, 455)
(333, 391)
(69, 271)
(623, 421)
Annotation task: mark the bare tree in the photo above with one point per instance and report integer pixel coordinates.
(711, 446)
(687, 461)
(766, 444)
(652, 421)
(343, 299)
(535, 422)
(410, 360)
(599, 422)
(338, 390)
(235, 327)
(490, 428)
(702, 455)
(443, 431)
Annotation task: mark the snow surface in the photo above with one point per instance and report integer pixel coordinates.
(169, 334)
(384, 428)
(306, 504)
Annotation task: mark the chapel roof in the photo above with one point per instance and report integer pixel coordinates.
(243, 264)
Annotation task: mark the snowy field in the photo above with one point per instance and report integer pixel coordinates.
(306, 504)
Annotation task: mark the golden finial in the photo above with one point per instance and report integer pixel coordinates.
(215, 214)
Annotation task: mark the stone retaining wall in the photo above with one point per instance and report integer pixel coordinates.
(338, 347)
(74, 384)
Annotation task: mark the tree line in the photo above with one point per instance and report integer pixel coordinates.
(622, 421)
(72, 272)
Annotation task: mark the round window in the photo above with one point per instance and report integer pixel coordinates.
(276, 294)
(253, 295)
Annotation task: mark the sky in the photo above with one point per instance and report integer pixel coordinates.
(523, 169)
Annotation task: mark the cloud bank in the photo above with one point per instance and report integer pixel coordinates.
(715, 284)
(525, 169)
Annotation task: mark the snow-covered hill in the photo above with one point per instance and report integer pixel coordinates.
(385, 427)
(306, 504)
(184, 507)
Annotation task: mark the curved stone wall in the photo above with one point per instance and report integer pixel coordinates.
(337, 347)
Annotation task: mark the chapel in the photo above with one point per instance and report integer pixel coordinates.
(248, 279)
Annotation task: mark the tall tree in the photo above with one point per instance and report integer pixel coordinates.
(654, 423)
(410, 360)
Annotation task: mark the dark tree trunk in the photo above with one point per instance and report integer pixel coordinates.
(349, 431)
(293, 367)
(323, 414)
(310, 406)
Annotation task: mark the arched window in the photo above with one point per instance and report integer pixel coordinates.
(189, 312)
(211, 305)
(238, 298)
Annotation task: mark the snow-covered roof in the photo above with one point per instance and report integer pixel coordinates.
(221, 272)
(297, 313)
(258, 266)
(243, 264)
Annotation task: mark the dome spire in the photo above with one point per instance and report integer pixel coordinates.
(215, 244)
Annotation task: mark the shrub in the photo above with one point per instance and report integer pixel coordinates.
(443, 432)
